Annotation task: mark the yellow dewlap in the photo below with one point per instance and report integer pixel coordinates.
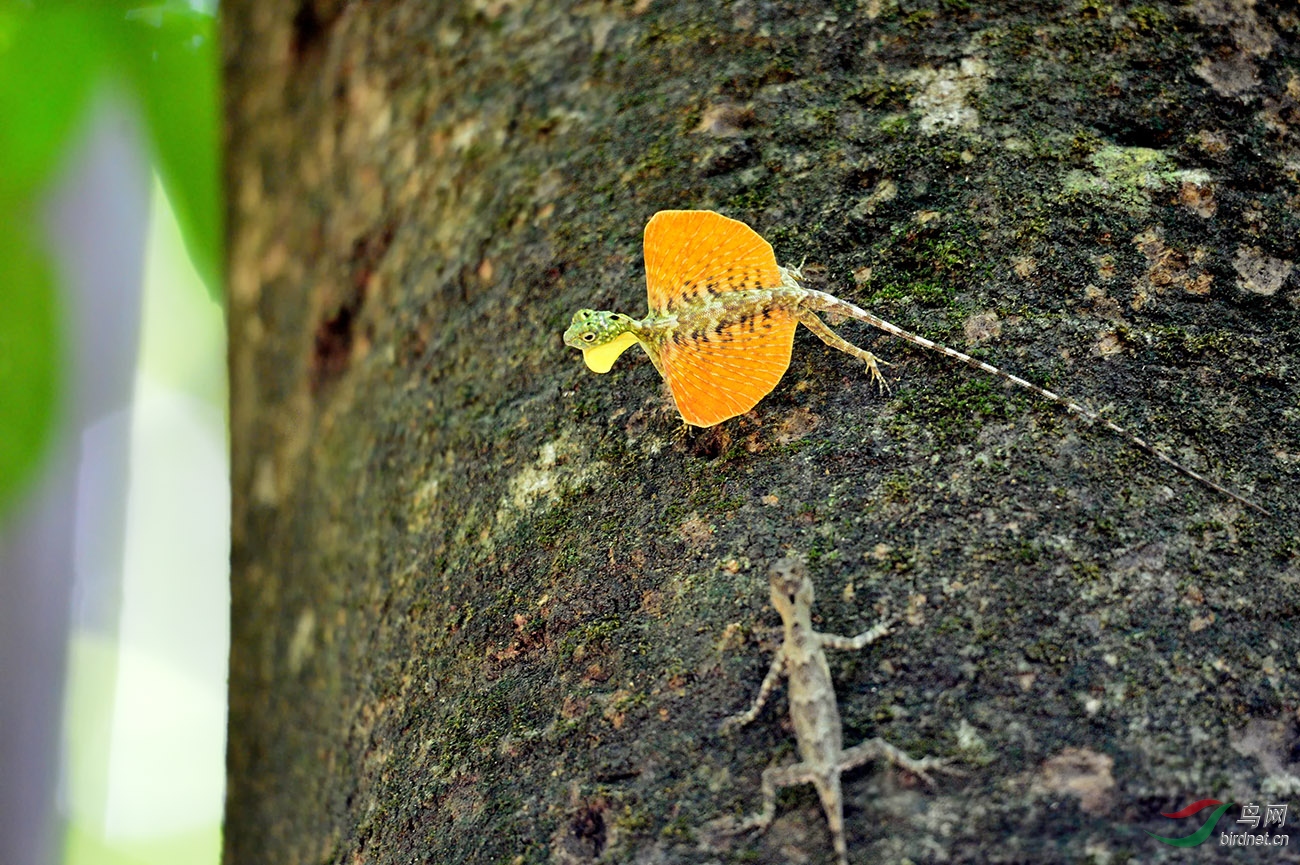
(602, 357)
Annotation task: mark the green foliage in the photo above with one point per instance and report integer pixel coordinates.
(171, 62)
(29, 356)
(40, 100)
(53, 55)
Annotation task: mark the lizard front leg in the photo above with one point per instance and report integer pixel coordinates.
(866, 638)
(769, 682)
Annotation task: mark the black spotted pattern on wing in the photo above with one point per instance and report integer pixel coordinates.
(722, 371)
(690, 253)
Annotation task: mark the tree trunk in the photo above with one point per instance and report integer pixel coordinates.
(490, 607)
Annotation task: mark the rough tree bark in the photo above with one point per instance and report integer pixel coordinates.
(488, 608)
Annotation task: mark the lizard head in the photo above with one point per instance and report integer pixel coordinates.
(791, 587)
(601, 335)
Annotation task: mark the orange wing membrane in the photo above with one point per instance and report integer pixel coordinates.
(719, 374)
(689, 252)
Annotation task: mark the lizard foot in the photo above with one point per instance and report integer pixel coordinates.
(873, 370)
(716, 835)
(729, 826)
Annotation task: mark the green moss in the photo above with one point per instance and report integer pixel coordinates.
(895, 125)
(1147, 19)
(754, 196)
(956, 413)
(920, 18)
(1085, 143)
(680, 828)
(589, 634)
(1094, 10)
(789, 449)
(1177, 344)
(950, 626)
(881, 93)
(712, 498)
(1027, 552)
(634, 821)
(894, 489)
(660, 158)
(1126, 177)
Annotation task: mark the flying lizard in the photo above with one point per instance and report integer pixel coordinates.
(813, 710)
(721, 326)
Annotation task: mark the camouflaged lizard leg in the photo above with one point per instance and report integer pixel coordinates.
(828, 790)
(774, 778)
(879, 749)
(866, 638)
(765, 690)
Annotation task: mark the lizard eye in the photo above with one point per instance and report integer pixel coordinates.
(588, 336)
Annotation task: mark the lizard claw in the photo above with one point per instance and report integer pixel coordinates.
(946, 767)
(873, 369)
(923, 767)
(728, 826)
(715, 835)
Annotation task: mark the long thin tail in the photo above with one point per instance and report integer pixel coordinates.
(829, 303)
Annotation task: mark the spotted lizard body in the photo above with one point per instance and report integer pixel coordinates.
(813, 710)
(721, 325)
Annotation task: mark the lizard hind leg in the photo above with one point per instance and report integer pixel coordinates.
(774, 778)
(874, 749)
(810, 320)
(828, 790)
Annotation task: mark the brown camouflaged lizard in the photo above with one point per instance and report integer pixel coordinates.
(813, 710)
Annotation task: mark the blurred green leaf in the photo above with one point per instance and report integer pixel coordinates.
(29, 355)
(49, 59)
(52, 55)
(168, 53)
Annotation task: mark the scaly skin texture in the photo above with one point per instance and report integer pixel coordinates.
(813, 710)
(711, 313)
